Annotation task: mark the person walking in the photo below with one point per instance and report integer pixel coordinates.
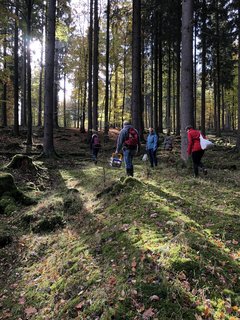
(194, 149)
(151, 146)
(129, 143)
(95, 146)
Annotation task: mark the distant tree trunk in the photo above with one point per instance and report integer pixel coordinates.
(29, 73)
(48, 142)
(238, 131)
(106, 123)
(156, 60)
(195, 75)
(64, 101)
(218, 93)
(95, 66)
(168, 107)
(56, 86)
(136, 66)
(187, 74)
(178, 125)
(203, 93)
(16, 73)
(4, 94)
(124, 79)
(24, 84)
(160, 78)
(90, 56)
(40, 88)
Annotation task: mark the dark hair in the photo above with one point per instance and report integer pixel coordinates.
(188, 127)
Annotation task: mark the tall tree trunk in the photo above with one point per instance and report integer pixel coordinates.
(64, 101)
(203, 92)
(178, 125)
(56, 86)
(160, 78)
(24, 83)
(156, 59)
(95, 67)
(238, 128)
(187, 74)
(48, 142)
(106, 123)
(168, 108)
(4, 94)
(29, 73)
(40, 87)
(136, 65)
(16, 73)
(90, 56)
(218, 93)
(124, 79)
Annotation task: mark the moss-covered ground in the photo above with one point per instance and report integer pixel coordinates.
(97, 245)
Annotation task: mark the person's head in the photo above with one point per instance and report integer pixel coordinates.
(126, 123)
(151, 130)
(188, 127)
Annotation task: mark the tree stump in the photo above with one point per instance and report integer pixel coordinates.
(23, 162)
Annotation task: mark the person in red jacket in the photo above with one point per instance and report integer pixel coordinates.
(194, 149)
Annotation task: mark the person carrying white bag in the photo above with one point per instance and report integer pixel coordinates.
(196, 147)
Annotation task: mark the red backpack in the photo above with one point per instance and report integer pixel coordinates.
(132, 140)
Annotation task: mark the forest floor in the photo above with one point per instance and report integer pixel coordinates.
(96, 245)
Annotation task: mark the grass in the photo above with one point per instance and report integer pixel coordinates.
(161, 245)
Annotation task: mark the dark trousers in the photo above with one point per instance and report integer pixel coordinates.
(152, 157)
(196, 158)
(95, 153)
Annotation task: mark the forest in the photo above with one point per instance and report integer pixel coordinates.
(79, 237)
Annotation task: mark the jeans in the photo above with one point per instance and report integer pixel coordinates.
(152, 157)
(128, 157)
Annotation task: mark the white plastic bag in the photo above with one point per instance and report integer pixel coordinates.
(145, 157)
(205, 144)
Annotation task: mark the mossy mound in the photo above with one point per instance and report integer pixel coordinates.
(10, 195)
(72, 203)
(46, 217)
(5, 237)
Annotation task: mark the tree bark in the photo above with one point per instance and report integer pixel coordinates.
(48, 142)
(187, 74)
(136, 65)
(16, 74)
(95, 66)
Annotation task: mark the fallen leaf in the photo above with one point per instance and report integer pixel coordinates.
(154, 298)
(148, 313)
(80, 305)
(112, 281)
(21, 300)
(30, 311)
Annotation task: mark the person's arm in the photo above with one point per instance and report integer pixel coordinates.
(120, 141)
(155, 142)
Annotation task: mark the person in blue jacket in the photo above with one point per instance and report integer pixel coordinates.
(151, 146)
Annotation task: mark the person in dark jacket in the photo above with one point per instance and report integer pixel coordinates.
(151, 146)
(194, 149)
(95, 146)
(129, 144)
